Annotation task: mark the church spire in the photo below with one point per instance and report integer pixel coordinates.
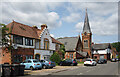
(86, 27)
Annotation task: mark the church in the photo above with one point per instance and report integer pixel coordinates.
(75, 48)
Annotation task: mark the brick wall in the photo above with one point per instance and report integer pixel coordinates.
(5, 56)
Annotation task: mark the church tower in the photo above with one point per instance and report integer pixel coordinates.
(87, 36)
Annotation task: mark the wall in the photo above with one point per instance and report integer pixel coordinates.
(42, 53)
(100, 51)
(51, 45)
(5, 56)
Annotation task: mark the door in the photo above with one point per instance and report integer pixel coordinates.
(37, 56)
(101, 56)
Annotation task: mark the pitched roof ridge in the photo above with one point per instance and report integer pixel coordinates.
(25, 25)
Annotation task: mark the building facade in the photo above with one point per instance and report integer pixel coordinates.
(28, 43)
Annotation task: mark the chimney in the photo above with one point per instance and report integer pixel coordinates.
(43, 26)
(34, 26)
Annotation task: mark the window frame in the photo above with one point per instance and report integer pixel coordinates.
(17, 38)
(28, 41)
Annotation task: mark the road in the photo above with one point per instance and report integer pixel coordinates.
(111, 68)
(101, 70)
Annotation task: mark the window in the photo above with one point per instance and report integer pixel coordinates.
(29, 61)
(18, 58)
(46, 57)
(28, 41)
(29, 56)
(57, 47)
(18, 39)
(46, 44)
(85, 43)
(37, 44)
(71, 56)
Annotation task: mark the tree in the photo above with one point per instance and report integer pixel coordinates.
(6, 42)
(62, 49)
(117, 46)
(55, 57)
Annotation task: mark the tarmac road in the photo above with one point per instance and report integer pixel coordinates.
(111, 68)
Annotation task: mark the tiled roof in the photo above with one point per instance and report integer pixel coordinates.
(26, 31)
(69, 42)
(23, 30)
(55, 41)
(100, 46)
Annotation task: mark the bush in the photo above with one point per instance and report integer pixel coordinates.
(55, 58)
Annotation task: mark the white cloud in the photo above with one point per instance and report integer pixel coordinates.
(73, 17)
(31, 13)
(52, 35)
(103, 17)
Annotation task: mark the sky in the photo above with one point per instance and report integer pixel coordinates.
(65, 19)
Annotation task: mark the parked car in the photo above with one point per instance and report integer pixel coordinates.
(90, 62)
(47, 64)
(113, 60)
(102, 61)
(71, 62)
(32, 64)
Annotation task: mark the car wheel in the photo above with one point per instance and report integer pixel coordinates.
(44, 67)
(71, 64)
(31, 68)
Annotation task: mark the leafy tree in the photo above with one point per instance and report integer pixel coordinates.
(55, 57)
(62, 49)
(5, 37)
(117, 46)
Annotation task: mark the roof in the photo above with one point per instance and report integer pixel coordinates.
(101, 46)
(69, 42)
(26, 31)
(23, 30)
(84, 54)
(55, 41)
(86, 27)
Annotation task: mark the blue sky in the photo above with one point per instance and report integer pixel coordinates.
(66, 19)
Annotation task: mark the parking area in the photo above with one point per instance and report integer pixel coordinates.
(50, 71)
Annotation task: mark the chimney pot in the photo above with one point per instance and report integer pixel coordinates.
(43, 26)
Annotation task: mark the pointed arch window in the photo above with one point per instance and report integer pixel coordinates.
(85, 43)
(46, 44)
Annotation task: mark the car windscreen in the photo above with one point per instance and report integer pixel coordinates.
(88, 59)
(35, 61)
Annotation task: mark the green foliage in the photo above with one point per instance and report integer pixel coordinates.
(117, 46)
(55, 58)
(62, 49)
(5, 36)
